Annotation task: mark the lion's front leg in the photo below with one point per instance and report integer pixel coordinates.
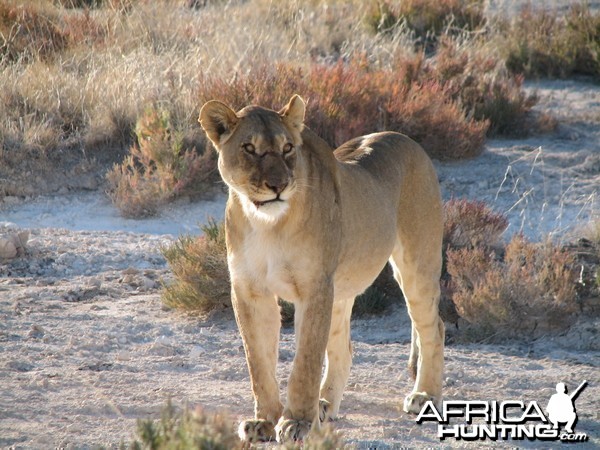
(312, 323)
(259, 324)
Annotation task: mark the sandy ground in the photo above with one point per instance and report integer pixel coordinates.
(86, 347)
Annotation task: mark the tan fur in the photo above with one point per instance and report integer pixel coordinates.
(341, 217)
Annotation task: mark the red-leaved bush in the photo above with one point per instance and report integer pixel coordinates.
(526, 292)
(346, 100)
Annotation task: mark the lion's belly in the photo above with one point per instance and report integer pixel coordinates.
(355, 275)
(365, 249)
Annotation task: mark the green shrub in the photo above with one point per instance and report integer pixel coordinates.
(198, 430)
(158, 168)
(383, 293)
(371, 302)
(199, 265)
(187, 430)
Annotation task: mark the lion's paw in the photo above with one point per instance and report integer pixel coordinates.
(414, 402)
(256, 430)
(325, 411)
(292, 430)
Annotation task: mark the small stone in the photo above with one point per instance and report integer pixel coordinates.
(129, 279)
(162, 346)
(148, 284)
(11, 200)
(20, 366)
(196, 352)
(161, 350)
(23, 237)
(94, 283)
(8, 250)
(164, 340)
(123, 355)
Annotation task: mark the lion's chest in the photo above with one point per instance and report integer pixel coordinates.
(269, 265)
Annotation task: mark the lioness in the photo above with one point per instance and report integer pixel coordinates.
(315, 227)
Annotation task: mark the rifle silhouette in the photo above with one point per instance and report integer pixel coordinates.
(578, 390)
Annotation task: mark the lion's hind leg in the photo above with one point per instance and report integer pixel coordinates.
(419, 280)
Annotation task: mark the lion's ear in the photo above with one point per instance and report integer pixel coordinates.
(293, 113)
(217, 120)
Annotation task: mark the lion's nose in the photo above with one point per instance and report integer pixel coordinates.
(277, 187)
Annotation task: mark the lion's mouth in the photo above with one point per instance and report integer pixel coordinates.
(259, 204)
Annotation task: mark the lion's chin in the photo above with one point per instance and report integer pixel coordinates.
(269, 212)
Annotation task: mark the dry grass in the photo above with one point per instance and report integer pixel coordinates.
(427, 20)
(591, 232)
(586, 249)
(543, 43)
(76, 75)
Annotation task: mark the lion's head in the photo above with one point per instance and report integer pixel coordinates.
(258, 153)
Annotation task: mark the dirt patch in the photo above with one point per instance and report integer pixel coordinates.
(87, 349)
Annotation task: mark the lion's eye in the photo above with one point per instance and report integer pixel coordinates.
(288, 148)
(249, 148)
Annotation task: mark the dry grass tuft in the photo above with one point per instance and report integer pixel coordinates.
(427, 19)
(78, 74)
(591, 232)
(586, 250)
(30, 31)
